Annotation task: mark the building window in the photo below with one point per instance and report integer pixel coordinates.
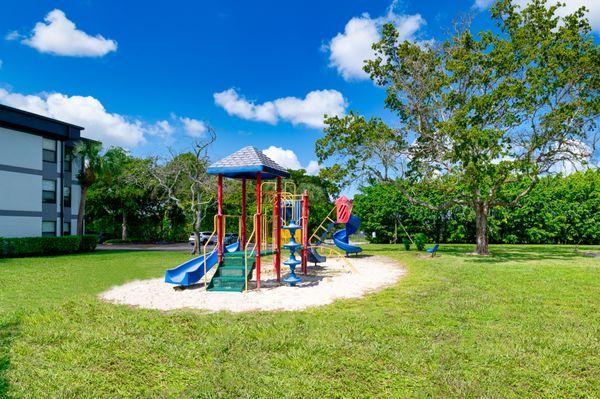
(49, 150)
(49, 229)
(49, 191)
(67, 196)
(66, 228)
(68, 159)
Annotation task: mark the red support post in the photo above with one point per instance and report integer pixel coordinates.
(220, 217)
(305, 232)
(277, 243)
(258, 226)
(243, 217)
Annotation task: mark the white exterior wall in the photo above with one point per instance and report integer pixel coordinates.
(20, 192)
(75, 198)
(20, 226)
(21, 174)
(20, 149)
(59, 189)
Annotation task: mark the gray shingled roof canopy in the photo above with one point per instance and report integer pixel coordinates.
(245, 163)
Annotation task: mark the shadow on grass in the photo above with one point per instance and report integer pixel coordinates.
(8, 332)
(526, 253)
(499, 253)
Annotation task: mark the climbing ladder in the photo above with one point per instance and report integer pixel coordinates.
(321, 232)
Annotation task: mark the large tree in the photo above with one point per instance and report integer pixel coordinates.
(484, 110)
(183, 180)
(125, 192)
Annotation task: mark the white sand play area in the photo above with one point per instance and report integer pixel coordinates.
(323, 285)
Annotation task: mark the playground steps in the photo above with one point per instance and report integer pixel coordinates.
(230, 273)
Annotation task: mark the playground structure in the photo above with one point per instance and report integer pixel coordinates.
(292, 246)
(343, 211)
(280, 212)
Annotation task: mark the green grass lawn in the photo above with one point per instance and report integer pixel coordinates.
(522, 323)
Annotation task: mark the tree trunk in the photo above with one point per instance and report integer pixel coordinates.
(197, 225)
(481, 212)
(81, 212)
(124, 226)
(196, 249)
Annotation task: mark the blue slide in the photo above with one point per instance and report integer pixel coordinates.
(340, 237)
(314, 257)
(192, 271)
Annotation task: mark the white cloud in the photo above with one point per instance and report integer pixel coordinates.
(348, 50)
(14, 35)
(285, 158)
(58, 35)
(577, 156)
(238, 106)
(288, 159)
(111, 129)
(570, 7)
(88, 112)
(307, 111)
(193, 127)
(313, 168)
(161, 129)
(310, 110)
(483, 4)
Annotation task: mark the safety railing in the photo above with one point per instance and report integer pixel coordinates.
(246, 255)
(290, 183)
(293, 201)
(208, 241)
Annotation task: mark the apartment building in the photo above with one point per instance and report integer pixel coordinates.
(39, 192)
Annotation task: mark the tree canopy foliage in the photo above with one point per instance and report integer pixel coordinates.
(157, 199)
(126, 197)
(558, 210)
(481, 111)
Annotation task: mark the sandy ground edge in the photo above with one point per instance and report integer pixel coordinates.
(323, 286)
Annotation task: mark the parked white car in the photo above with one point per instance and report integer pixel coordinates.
(204, 236)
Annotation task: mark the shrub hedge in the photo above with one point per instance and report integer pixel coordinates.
(420, 241)
(406, 243)
(35, 246)
(88, 243)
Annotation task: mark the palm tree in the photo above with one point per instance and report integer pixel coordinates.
(93, 166)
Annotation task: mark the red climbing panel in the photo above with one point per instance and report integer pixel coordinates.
(343, 209)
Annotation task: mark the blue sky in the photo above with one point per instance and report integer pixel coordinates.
(260, 73)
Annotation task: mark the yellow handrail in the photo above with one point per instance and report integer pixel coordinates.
(291, 183)
(292, 199)
(204, 250)
(327, 218)
(248, 241)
